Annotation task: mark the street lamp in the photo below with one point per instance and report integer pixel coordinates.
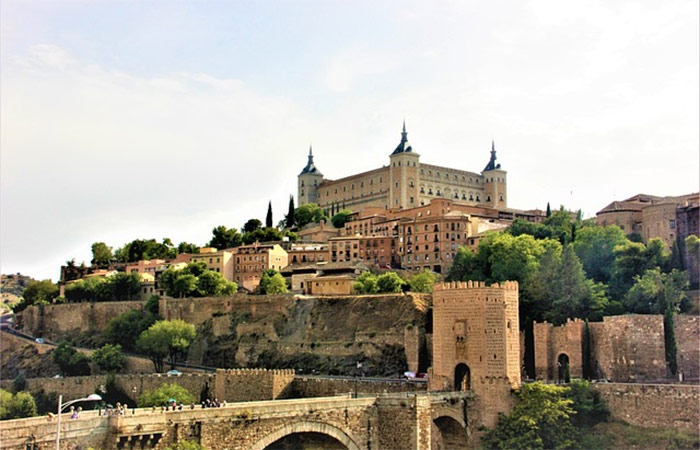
(62, 406)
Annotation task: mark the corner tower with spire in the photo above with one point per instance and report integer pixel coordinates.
(494, 182)
(308, 181)
(404, 167)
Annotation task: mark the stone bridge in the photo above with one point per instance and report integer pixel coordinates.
(420, 421)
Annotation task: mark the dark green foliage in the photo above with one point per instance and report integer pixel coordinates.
(587, 362)
(670, 341)
(186, 247)
(225, 238)
(112, 394)
(37, 293)
(118, 287)
(166, 338)
(125, 328)
(267, 234)
(19, 383)
(289, 218)
(251, 225)
(338, 220)
(195, 280)
(272, 282)
(139, 249)
(46, 402)
(549, 210)
(548, 417)
(101, 255)
(595, 247)
(70, 361)
(109, 358)
(268, 217)
(308, 213)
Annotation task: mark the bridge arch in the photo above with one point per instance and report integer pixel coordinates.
(306, 427)
(449, 429)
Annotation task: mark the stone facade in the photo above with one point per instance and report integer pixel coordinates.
(404, 183)
(552, 342)
(654, 405)
(476, 342)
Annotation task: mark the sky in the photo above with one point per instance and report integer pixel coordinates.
(149, 119)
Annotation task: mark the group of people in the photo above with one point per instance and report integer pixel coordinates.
(119, 410)
(175, 406)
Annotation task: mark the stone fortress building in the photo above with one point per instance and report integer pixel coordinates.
(405, 183)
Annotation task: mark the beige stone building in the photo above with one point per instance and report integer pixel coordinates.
(651, 216)
(249, 262)
(220, 261)
(404, 183)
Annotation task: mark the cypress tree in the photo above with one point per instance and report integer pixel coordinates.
(268, 219)
(586, 350)
(670, 341)
(549, 210)
(290, 213)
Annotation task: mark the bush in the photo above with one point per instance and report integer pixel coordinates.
(423, 282)
(70, 361)
(160, 396)
(109, 358)
(389, 283)
(19, 383)
(272, 282)
(366, 284)
(16, 406)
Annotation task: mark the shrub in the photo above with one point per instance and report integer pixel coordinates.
(160, 396)
(16, 406)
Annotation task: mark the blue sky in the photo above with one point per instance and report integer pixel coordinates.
(124, 120)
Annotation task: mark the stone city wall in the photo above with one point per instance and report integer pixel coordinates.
(57, 321)
(654, 405)
(687, 330)
(324, 387)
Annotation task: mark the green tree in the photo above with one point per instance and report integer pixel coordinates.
(185, 285)
(262, 235)
(251, 225)
(126, 328)
(37, 293)
(692, 251)
(568, 288)
(308, 213)
(212, 283)
(109, 358)
(101, 255)
(289, 218)
(19, 383)
(656, 292)
(268, 217)
(549, 210)
(541, 419)
(16, 406)
(225, 238)
(272, 282)
(423, 281)
(465, 266)
(169, 338)
(186, 247)
(366, 283)
(340, 218)
(389, 282)
(140, 249)
(590, 407)
(162, 395)
(125, 286)
(595, 247)
(70, 361)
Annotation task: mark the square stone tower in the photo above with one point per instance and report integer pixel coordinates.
(476, 336)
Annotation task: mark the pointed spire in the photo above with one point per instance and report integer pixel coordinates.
(492, 161)
(310, 167)
(403, 146)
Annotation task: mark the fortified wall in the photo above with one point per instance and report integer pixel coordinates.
(623, 348)
(239, 330)
(654, 405)
(476, 342)
(235, 385)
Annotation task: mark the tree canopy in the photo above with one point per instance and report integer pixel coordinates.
(272, 282)
(309, 213)
(162, 396)
(70, 361)
(101, 255)
(339, 219)
(109, 358)
(195, 280)
(166, 338)
(225, 238)
(37, 293)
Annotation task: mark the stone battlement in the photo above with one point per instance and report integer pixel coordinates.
(508, 285)
(256, 371)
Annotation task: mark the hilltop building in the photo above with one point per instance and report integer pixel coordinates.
(405, 183)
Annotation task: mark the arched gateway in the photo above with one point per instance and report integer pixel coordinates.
(309, 431)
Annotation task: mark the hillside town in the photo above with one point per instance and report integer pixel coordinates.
(417, 281)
